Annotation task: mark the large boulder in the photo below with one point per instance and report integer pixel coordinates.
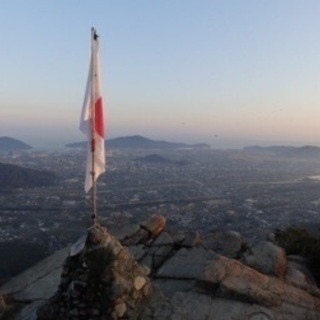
(155, 224)
(267, 258)
(227, 243)
(205, 285)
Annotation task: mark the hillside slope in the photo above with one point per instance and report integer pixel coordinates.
(12, 176)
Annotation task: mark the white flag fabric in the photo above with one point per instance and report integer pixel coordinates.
(92, 118)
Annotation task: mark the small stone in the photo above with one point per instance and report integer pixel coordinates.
(146, 291)
(146, 270)
(120, 309)
(192, 239)
(147, 262)
(96, 235)
(155, 224)
(118, 288)
(139, 282)
(178, 237)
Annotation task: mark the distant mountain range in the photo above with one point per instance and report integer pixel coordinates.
(286, 151)
(12, 177)
(140, 142)
(10, 144)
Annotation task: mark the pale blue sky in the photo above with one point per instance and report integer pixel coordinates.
(225, 72)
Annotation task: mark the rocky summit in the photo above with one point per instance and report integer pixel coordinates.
(150, 271)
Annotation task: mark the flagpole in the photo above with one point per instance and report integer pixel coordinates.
(92, 125)
(93, 142)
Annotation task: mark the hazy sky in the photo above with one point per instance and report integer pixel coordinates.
(225, 72)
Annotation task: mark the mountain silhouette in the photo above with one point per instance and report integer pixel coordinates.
(11, 144)
(140, 142)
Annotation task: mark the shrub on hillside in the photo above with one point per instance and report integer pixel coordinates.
(298, 241)
(301, 242)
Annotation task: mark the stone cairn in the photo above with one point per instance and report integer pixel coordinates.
(100, 280)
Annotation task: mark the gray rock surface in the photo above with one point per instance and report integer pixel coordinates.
(151, 274)
(35, 286)
(185, 264)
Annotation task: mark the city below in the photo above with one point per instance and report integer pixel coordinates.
(201, 189)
